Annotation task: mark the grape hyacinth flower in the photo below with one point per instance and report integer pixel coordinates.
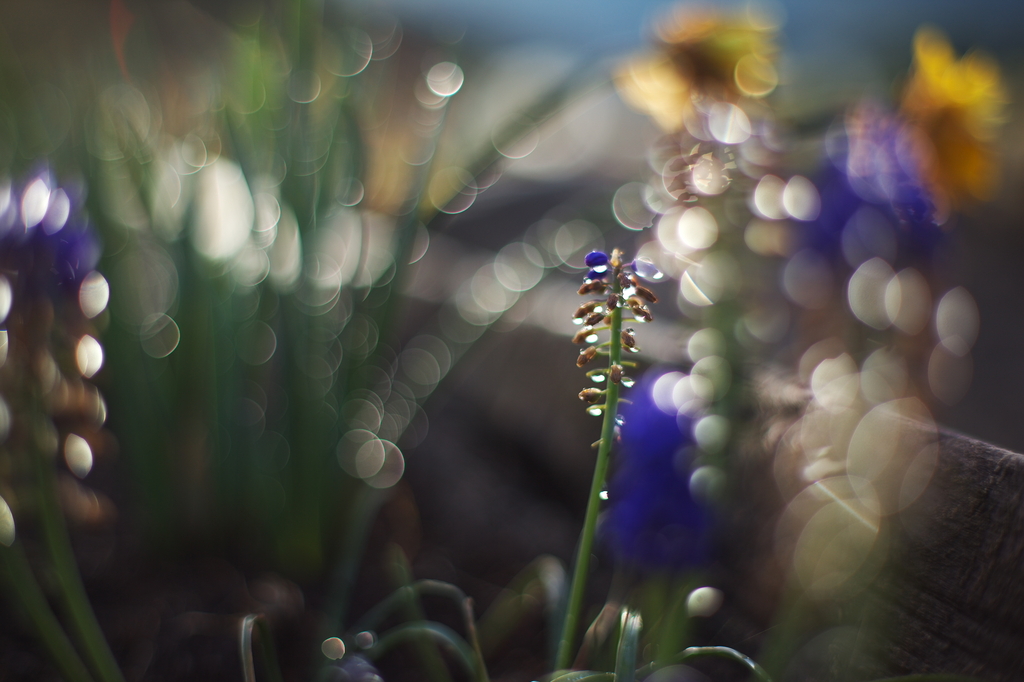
(621, 292)
(44, 238)
(52, 415)
(875, 197)
(653, 522)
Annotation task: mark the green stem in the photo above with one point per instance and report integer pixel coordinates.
(24, 589)
(71, 591)
(581, 570)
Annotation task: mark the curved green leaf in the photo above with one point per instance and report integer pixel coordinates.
(430, 631)
(629, 642)
(716, 652)
(581, 675)
(269, 653)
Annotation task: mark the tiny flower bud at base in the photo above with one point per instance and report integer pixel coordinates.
(647, 294)
(582, 335)
(615, 373)
(586, 308)
(586, 355)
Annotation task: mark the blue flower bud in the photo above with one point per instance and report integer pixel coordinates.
(596, 259)
(597, 274)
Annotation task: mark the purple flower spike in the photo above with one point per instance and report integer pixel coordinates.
(46, 238)
(653, 522)
(875, 198)
(596, 259)
(597, 274)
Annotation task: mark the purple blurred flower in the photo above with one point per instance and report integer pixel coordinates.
(875, 200)
(596, 259)
(353, 668)
(653, 522)
(44, 236)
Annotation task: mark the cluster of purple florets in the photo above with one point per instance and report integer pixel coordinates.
(597, 261)
(877, 163)
(44, 236)
(653, 521)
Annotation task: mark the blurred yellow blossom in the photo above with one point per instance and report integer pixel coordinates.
(959, 104)
(703, 53)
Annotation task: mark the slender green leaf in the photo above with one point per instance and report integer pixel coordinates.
(629, 642)
(267, 649)
(430, 632)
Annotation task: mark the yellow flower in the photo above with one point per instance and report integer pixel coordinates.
(702, 54)
(959, 105)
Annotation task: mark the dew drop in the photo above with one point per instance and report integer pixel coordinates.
(89, 354)
(709, 176)
(599, 269)
(598, 378)
(628, 382)
(577, 320)
(78, 455)
(366, 639)
(333, 648)
(6, 524)
(645, 268)
(595, 411)
(634, 349)
(619, 421)
(592, 338)
(603, 495)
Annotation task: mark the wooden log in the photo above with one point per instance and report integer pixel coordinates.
(940, 589)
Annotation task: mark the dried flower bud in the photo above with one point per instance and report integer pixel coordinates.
(594, 285)
(613, 301)
(586, 308)
(626, 280)
(594, 318)
(615, 373)
(586, 355)
(582, 335)
(628, 340)
(591, 395)
(640, 311)
(645, 293)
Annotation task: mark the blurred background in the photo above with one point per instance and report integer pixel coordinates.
(340, 243)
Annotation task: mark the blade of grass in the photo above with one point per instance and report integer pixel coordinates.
(425, 631)
(24, 589)
(629, 643)
(71, 591)
(269, 652)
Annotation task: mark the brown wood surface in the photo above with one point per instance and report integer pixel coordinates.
(948, 596)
